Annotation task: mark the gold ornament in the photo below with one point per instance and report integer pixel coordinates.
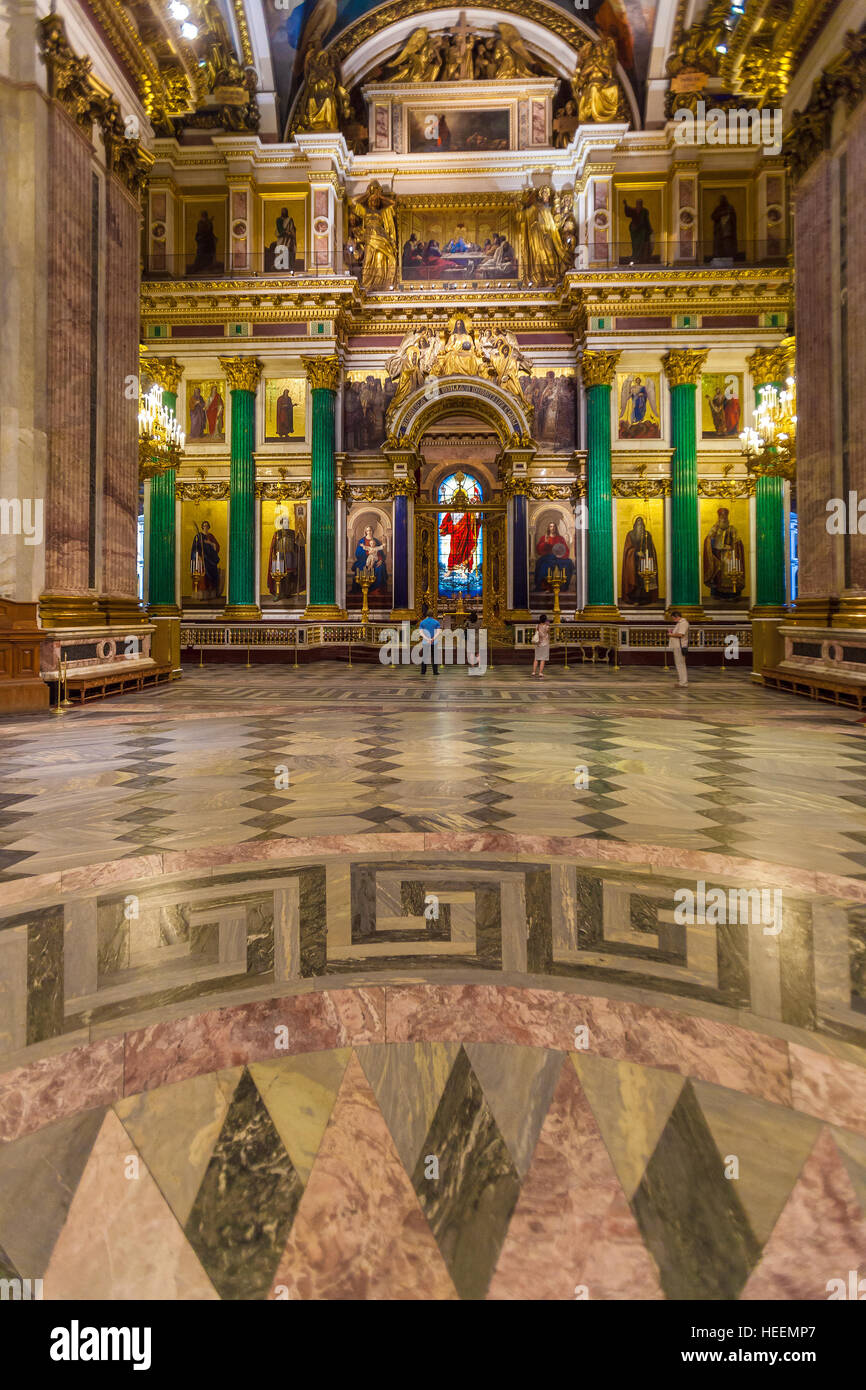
(682, 366)
(242, 373)
(595, 85)
(598, 368)
(165, 371)
(323, 373)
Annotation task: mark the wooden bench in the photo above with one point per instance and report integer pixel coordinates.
(91, 685)
(816, 685)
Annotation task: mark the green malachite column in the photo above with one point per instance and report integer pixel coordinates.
(598, 369)
(323, 374)
(161, 597)
(243, 375)
(769, 366)
(683, 368)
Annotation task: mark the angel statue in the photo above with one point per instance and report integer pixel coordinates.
(595, 85)
(543, 256)
(413, 362)
(419, 61)
(323, 101)
(510, 57)
(504, 360)
(375, 211)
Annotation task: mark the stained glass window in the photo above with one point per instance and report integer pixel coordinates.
(460, 537)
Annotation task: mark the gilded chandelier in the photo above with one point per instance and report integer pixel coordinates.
(770, 443)
(160, 437)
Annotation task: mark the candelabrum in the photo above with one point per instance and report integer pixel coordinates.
(556, 579)
(160, 437)
(770, 443)
(365, 579)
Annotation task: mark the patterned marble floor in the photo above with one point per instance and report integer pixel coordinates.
(231, 755)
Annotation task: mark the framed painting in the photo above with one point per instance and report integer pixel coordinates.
(434, 131)
(204, 550)
(284, 221)
(285, 409)
(553, 397)
(638, 405)
(206, 411)
(283, 554)
(721, 405)
(205, 235)
(640, 548)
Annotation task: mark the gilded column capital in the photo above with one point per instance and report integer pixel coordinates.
(242, 373)
(772, 364)
(323, 373)
(598, 368)
(682, 366)
(403, 487)
(515, 487)
(165, 371)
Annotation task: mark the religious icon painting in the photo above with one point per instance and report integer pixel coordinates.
(640, 224)
(438, 131)
(283, 554)
(553, 397)
(637, 405)
(283, 223)
(552, 530)
(724, 222)
(724, 525)
(461, 537)
(640, 530)
(285, 409)
(369, 535)
(206, 412)
(366, 398)
(205, 235)
(204, 542)
(721, 404)
(472, 244)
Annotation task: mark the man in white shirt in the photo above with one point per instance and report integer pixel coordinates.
(678, 644)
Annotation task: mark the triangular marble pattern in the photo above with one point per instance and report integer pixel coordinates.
(632, 1105)
(175, 1129)
(120, 1240)
(572, 1233)
(518, 1085)
(39, 1175)
(359, 1232)
(408, 1080)
(822, 1217)
(299, 1093)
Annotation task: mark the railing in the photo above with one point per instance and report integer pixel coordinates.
(469, 266)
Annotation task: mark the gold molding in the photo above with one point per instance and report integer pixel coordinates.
(164, 371)
(598, 368)
(772, 364)
(323, 373)
(683, 366)
(242, 373)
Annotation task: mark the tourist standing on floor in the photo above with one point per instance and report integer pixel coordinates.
(541, 643)
(679, 644)
(430, 628)
(470, 629)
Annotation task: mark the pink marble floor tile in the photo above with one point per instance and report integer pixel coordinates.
(52, 1088)
(828, 1087)
(27, 890)
(91, 876)
(359, 1232)
(819, 1236)
(692, 1046)
(262, 1031)
(572, 1233)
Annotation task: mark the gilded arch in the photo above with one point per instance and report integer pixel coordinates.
(440, 396)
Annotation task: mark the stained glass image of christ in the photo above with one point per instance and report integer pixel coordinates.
(460, 538)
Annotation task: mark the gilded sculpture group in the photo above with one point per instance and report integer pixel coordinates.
(545, 223)
(596, 95)
(459, 350)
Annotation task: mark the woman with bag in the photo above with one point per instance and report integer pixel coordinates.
(541, 643)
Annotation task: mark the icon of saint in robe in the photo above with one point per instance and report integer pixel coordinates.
(197, 415)
(204, 563)
(215, 413)
(724, 559)
(369, 557)
(552, 552)
(285, 414)
(640, 567)
(286, 567)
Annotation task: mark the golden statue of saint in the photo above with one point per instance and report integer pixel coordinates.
(511, 57)
(420, 60)
(543, 255)
(594, 84)
(323, 101)
(459, 356)
(505, 361)
(375, 211)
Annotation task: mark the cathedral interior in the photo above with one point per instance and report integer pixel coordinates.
(394, 975)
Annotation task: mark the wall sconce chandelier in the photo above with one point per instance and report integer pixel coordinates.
(160, 437)
(770, 443)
